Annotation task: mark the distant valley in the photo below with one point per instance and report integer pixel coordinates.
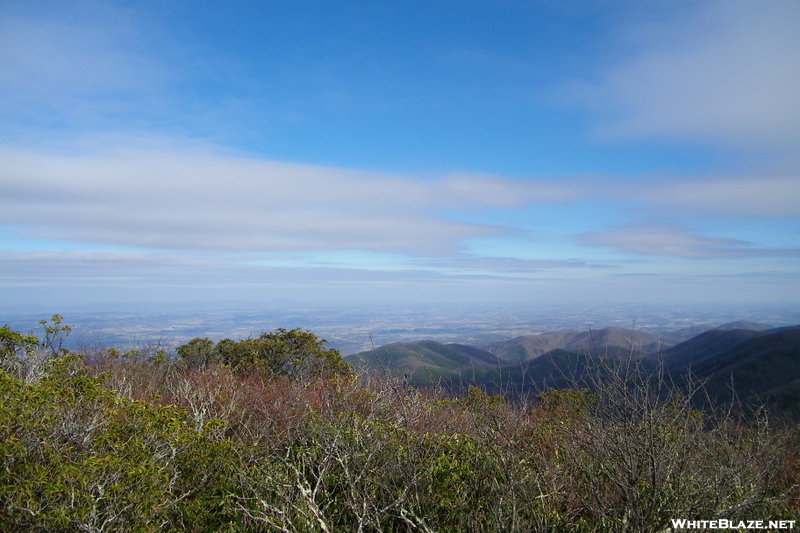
(356, 329)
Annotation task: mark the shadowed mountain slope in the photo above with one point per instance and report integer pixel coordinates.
(763, 368)
(706, 345)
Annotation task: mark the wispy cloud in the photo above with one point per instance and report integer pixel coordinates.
(722, 73)
(672, 241)
(165, 267)
(507, 264)
(199, 200)
(486, 190)
(77, 67)
(728, 196)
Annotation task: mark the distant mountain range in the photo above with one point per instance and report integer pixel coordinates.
(608, 342)
(762, 362)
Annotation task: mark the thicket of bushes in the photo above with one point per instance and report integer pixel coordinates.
(105, 441)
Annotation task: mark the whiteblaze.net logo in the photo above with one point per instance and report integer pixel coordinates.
(722, 523)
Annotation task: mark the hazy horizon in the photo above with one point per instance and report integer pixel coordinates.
(355, 328)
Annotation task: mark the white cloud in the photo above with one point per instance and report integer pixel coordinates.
(735, 196)
(194, 199)
(191, 269)
(726, 72)
(671, 241)
(78, 62)
(495, 191)
(507, 264)
(162, 196)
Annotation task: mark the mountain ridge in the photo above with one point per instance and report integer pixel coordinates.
(762, 361)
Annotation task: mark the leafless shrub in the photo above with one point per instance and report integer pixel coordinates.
(642, 453)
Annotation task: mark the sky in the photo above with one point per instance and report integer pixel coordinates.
(473, 152)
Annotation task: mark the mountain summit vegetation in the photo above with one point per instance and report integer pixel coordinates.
(276, 433)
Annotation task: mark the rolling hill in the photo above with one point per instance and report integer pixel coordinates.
(427, 362)
(608, 342)
(527, 347)
(515, 361)
(762, 363)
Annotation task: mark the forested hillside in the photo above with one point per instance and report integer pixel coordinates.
(757, 366)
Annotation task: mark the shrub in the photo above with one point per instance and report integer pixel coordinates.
(131, 444)
(295, 353)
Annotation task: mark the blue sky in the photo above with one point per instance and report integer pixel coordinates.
(332, 152)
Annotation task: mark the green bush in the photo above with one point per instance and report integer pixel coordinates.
(295, 353)
(110, 443)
